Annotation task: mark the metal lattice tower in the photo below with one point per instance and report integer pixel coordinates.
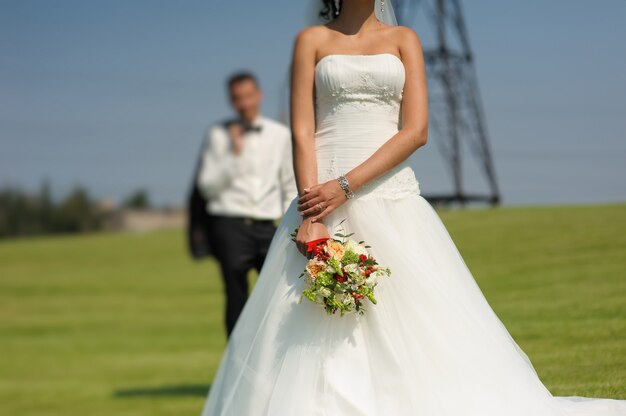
(456, 114)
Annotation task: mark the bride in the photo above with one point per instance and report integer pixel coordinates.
(432, 345)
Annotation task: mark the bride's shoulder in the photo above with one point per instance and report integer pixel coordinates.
(403, 37)
(406, 38)
(404, 33)
(309, 38)
(312, 33)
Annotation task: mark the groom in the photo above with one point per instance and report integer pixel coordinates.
(245, 174)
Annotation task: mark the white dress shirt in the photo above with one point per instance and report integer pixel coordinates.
(258, 183)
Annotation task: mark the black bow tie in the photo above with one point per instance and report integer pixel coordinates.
(250, 127)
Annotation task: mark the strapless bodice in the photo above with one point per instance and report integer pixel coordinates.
(357, 109)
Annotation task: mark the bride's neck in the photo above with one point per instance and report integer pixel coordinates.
(356, 16)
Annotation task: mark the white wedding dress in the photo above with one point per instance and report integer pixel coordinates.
(432, 346)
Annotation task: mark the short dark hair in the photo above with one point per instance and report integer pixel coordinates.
(241, 76)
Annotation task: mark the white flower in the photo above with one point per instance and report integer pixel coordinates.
(325, 292)
(356, 247)
(372, 280)
(352, 269)
(349, 300)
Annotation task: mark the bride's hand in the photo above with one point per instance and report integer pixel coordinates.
(309, 231)
(320, 200)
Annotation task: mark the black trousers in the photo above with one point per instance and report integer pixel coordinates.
(239, 245)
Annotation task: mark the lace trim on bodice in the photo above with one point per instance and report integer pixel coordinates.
(361, 92)
(360, 96)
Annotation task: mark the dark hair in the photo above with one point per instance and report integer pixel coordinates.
(329, 11)
(241, 76)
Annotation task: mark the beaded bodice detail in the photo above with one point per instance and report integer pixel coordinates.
(357, 109)
(358, 86)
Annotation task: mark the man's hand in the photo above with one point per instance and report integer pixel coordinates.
(235, 131)
(309, 231)
(320, 200)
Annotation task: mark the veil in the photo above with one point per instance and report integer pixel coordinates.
(387, 15)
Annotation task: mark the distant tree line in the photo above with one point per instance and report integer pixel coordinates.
(138, 200)
(25, 214)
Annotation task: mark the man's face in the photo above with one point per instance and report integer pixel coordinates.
(245, 98)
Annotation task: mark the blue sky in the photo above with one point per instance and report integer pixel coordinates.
(116, 94)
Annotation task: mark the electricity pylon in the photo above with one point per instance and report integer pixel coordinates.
(456, 114)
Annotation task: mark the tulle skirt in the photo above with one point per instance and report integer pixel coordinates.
(432, 346)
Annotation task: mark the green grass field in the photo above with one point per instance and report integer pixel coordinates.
(127, 324)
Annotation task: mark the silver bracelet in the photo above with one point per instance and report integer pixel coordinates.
(343, 182)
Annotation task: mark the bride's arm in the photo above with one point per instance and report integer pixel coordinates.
(414, 130)
(302, 111)
(411, 136)
(302, 114)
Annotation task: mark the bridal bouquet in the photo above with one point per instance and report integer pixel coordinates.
(340, 274)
